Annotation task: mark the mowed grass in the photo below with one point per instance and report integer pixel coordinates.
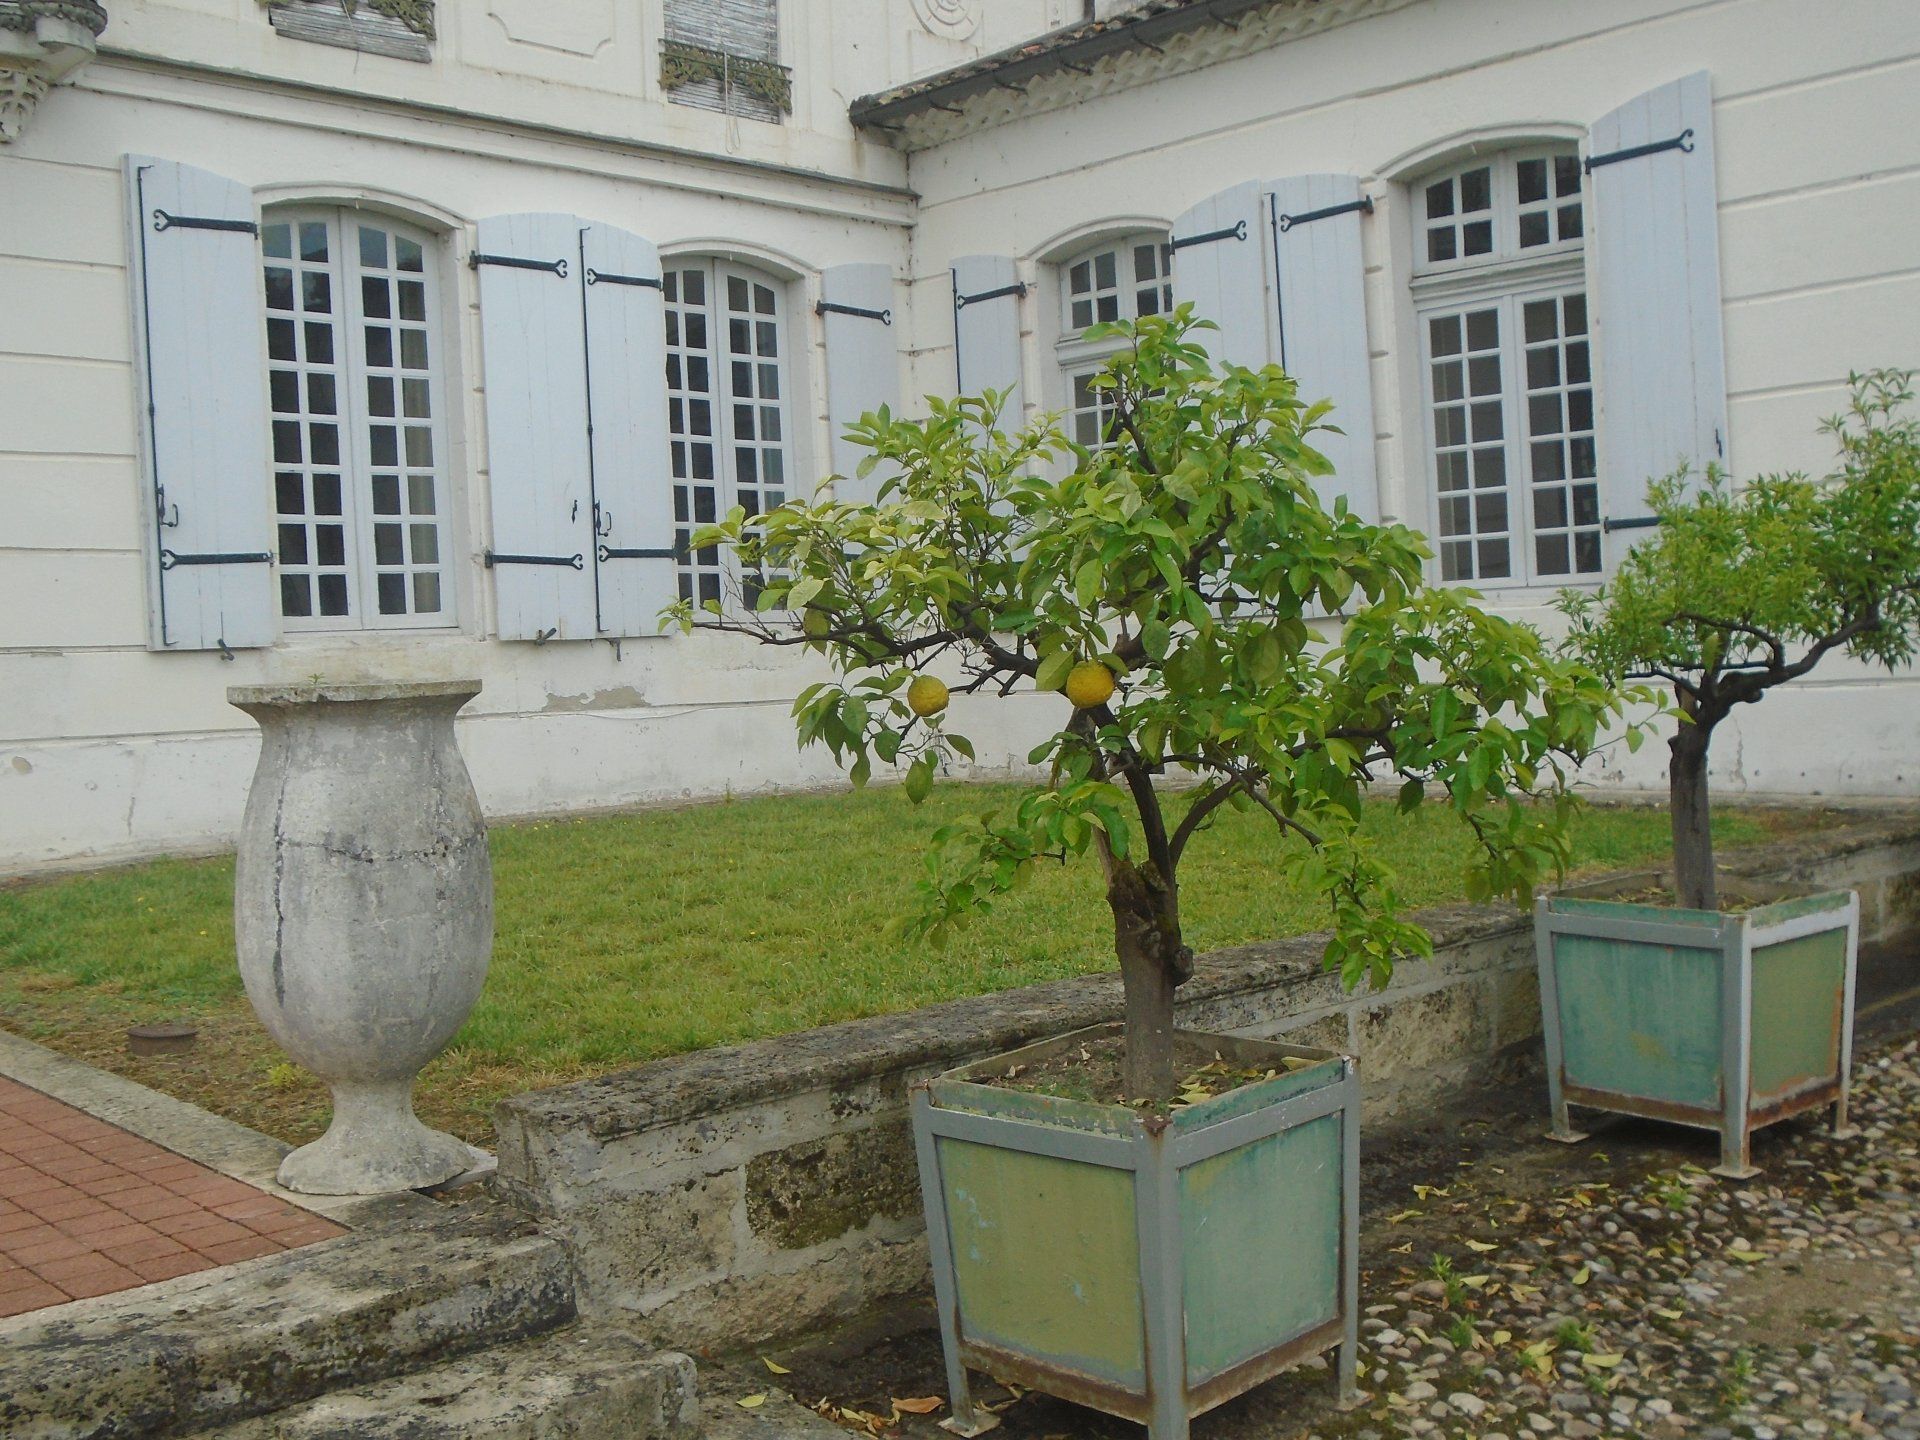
(622, 938)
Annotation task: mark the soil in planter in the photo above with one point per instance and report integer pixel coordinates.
(1670, 900)
(1091, 1071)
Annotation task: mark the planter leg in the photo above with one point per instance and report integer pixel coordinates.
(1348, 1363)
(1843, 1128)
(1562, 1123)
(1736, 1154)
(967, 1418)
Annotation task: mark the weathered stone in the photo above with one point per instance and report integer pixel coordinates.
(363, 913)
(1516, 1008)
(581, 1383)
(656, 1240)
(241, 1340)
(818, 1191)
(1394, 1038)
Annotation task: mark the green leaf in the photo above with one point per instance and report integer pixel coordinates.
(1054, 670)
(1154, 639)
(919, 781)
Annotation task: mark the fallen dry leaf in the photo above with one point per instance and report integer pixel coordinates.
(776, 1369)
(751, 1402)
(918, 1405)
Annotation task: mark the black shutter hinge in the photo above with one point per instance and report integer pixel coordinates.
(162, 220)
(1232, 232)
(960, 302)
(1286, 222)
(515, 262)
(169, 560)
(1634, 522)
(823, 307)
(1682, 141)
(575, 561)
(607, 277)
(615, 552)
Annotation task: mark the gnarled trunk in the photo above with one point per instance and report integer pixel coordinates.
(1692, 816)
(1153, 962)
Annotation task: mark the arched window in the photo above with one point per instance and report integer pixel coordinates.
(1120, 279)
(355, 385)
(1500, 293)
(727, 386)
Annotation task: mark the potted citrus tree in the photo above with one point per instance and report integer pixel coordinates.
(1730, 1006)
(1140, 1218)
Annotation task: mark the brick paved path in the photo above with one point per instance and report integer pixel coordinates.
(87, 1208)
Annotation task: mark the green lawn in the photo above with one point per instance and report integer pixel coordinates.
(626, 937)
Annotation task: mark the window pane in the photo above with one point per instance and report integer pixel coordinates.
(1531, 178)
(1560, 435)
(373, 248)
(1476, 190)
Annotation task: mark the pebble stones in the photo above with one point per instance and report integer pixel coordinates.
(1675, 1305)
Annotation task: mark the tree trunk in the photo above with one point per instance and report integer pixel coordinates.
(1153, 962)
(1692, 819)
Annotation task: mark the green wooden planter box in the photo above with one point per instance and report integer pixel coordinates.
(1726, 1021)
(1150, 1269)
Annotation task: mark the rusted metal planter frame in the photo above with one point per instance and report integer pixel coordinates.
(1639, 935)
(1155, 1152)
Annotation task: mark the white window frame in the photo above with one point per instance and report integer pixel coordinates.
(1079, 358)
(1505, 280)
(726, 438)
(353, 417)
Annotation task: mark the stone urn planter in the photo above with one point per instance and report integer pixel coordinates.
(1151, 1267)
(363, 913)
(1726, 1020)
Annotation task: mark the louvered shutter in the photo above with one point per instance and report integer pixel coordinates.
(632, 558)
(1220, 265)
(200, 362)
(986, 331)
(863, 365)
(1653, 262)
(1320, 277)
(534, 351)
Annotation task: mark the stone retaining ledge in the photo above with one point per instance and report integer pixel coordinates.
(735, 1194)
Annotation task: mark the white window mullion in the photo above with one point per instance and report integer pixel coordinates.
(358, 440)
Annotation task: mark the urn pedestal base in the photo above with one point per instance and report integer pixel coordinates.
(375, 1144)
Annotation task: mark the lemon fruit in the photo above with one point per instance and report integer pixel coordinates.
(926, 696)
(1088, 684)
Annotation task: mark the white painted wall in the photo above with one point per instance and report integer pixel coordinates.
(1817, 125)
(109, 750)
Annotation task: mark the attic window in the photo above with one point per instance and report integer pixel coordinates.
(402, 29)
(725, 55)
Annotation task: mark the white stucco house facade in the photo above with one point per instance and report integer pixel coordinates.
(410, 340)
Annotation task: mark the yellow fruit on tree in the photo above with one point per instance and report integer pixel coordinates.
(926, 696)
(1088, 684)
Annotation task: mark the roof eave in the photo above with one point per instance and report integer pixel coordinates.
(882, 113)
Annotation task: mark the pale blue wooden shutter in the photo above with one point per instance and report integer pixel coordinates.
(632, 557)
(986, 331)
(863, 365)
(200, 364)
(533, 349)
(1653, 264)
(1320, 276)
(1220, 265)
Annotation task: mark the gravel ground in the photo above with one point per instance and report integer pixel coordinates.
(1515, 1289)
